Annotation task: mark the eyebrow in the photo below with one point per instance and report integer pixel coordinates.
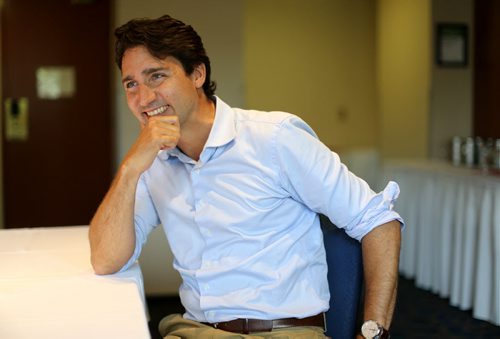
(146, 71)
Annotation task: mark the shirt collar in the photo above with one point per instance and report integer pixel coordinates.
(223, 130)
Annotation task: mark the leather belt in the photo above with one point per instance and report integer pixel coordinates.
(246, 326)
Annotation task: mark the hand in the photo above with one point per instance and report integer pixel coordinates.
(159, 133)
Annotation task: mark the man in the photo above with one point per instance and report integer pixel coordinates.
(238, 193)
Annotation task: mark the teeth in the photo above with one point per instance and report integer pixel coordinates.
(157, 111)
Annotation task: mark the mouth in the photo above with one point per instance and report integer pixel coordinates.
(157, 111)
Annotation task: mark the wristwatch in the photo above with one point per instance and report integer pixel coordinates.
(373, 330)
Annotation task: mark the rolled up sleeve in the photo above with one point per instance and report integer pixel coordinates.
(315, 176)
(145, 220)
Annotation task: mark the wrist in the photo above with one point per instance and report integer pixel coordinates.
(128, 171)
(373, 330)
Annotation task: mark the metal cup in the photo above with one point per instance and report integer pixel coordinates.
(468, 151)
(456, 150)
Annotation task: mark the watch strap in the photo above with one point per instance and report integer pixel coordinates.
(384, 334)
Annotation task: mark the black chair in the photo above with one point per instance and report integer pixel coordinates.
(345, 277)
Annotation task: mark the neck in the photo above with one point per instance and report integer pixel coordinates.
(194, 134)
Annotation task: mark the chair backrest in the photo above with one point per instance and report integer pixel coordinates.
(345, 277)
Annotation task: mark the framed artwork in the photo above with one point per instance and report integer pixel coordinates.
(452, 45)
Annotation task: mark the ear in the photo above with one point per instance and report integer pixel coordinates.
(199, 75)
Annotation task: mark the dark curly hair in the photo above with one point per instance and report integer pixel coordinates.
(164, 37)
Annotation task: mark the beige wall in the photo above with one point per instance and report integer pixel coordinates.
(403, 76)
(315, 59)
(451, 110)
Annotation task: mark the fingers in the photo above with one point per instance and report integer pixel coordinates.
(159, 133)
(163, 131)
(168, 119)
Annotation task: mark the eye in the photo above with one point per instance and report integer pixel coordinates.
(157, 76)
(130, 85)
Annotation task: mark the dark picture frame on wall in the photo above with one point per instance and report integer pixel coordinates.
(452, 45)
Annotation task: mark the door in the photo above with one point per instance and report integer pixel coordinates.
(56, 110)
(487, 69)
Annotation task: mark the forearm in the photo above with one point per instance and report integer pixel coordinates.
(380, 260)
(111, 232)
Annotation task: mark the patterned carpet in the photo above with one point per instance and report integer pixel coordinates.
(419, 314)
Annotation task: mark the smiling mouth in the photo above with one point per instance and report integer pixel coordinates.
(157, 111)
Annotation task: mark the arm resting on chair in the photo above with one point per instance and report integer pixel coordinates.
(380, 250)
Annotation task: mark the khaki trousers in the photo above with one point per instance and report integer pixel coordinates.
(175, 326)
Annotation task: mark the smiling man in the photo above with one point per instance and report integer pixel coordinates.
(238, 194)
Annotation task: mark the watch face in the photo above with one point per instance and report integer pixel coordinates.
(370, 329)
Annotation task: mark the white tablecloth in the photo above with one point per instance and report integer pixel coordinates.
(451, 245)
(48, 289)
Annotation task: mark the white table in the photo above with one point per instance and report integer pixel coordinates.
(451, 245)
(48, 289)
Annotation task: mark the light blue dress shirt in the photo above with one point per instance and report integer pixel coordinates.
(242, 221)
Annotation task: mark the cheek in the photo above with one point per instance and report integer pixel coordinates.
(132, 102)
(134, 106)
(129, 97)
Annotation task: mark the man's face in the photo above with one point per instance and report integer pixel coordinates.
(159, 87)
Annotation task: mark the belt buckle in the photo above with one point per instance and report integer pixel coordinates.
(246, 330)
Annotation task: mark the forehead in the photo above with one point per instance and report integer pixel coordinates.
(136, 59)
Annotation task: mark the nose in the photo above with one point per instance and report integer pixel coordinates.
(146, 95)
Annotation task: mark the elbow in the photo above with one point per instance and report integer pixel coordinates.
(102, 267)
(109, 257)
(101, 270)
